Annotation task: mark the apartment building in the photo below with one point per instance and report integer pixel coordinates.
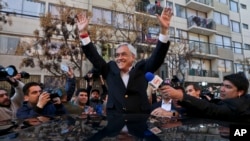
(216, 30)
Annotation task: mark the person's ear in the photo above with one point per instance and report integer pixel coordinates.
(240, 93)
(26, 98)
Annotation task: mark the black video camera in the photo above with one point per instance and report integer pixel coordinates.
(8, 71)
(25, 75)
(54, 93)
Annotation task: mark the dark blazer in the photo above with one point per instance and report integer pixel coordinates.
(236, 109)
(132, 99)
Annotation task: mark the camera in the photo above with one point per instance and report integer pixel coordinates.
(8, 71)
(24, 75)
(54, 93)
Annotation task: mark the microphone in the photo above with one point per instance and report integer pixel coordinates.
(156, 81)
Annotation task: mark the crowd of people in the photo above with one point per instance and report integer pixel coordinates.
(126, 88)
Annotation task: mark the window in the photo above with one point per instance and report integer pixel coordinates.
(223, 1)
(171, 31)
(238, 68)
(225, 65)
(233, 6)
(237, 47)
(243, 6)
(26, 7)
(235, 26)
(222, 19)
(122, 20)
(169, 4)
(223, 41)
(180, 11)
(247, 46)
(181, 34)
(199, 67)
(245, 26)
(8, 45)
(248, 69)
(101, 16)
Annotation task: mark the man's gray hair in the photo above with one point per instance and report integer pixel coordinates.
(131, 48)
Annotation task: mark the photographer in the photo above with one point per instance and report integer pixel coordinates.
(38, 103)
(9, 106)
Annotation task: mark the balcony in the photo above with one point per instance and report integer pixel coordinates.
(201, 25)
(203, 73)
(200, 5)
(148, 8)
(201, 49)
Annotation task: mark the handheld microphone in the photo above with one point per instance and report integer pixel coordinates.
(154, 80)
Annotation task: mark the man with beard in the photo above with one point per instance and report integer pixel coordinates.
(9, 106)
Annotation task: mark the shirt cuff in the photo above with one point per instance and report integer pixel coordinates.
(163, 38)
(85, 41)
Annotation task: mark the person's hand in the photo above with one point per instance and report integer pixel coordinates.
(17, 76)
(89, 111)
(82, 23)
(160, 112)
(70, 72)
(171, 92)
(165, 19)
(44, 98)
(102, 81)
(12, 81)
(56, 100)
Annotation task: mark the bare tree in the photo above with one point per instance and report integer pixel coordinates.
(56, 41)
(245, 64)
(4, 15)
(177, 58)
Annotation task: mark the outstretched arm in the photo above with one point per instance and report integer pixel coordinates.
(70, 84)
(164, 20)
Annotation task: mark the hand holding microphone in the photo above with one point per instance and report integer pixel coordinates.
(165, 86)
(155, 81)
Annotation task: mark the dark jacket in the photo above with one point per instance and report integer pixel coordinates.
(50, 109)
(230, 109)
(133, 98)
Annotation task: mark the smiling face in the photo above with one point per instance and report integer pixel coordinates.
(82, 98)
(124, 58)
(228, 90)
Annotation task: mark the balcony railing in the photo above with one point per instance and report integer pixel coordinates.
(148, 8)
(203, 73)
(203, 48)
(206, 2)
(200, 5)
(201, 22)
